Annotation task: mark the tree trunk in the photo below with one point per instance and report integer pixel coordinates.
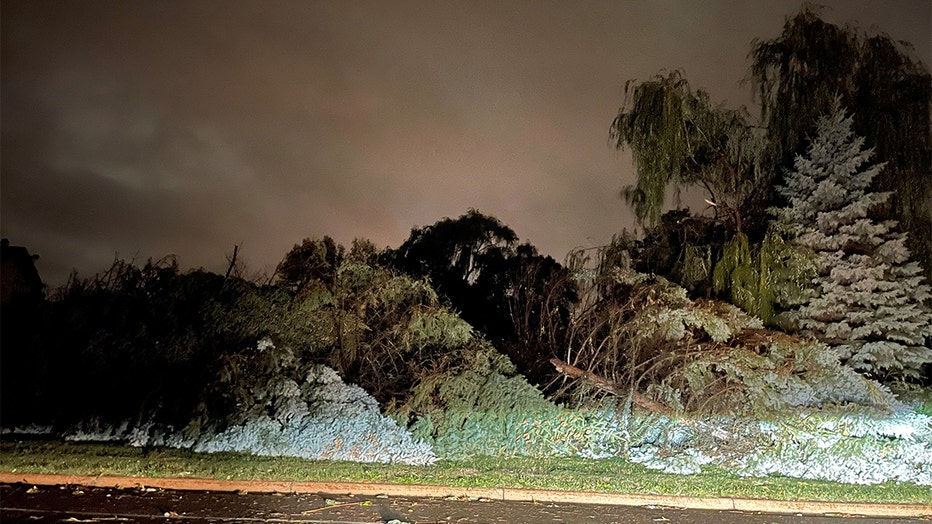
(609, 387)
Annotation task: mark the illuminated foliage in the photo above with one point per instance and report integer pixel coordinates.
(869, 301)
(762, 278)
(737, 273)
(644, 336)
(319, 417)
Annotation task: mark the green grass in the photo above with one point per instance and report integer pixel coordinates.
(607, 475)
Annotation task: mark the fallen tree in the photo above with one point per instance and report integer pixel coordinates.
(609, 387)
(641, 336)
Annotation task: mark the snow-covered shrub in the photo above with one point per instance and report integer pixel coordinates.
(28, 429)
(476, 404)
(547, 433)
(323, 418)
(374, 327)
(779, 373)
(853, 446)
(468, 384)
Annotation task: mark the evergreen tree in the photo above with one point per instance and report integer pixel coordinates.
(799, 74)
(869, 300)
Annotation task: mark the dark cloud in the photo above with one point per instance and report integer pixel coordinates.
(149, 128)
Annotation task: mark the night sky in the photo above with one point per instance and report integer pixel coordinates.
(147, 128)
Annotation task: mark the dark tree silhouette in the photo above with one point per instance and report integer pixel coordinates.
(23, 368)
(312, 260)
(799, 75)
(464, 259)
(516, 297)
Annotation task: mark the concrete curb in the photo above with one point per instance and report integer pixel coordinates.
(506, 494)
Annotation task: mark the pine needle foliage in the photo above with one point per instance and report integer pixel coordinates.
(376, 328)
(893, 110)
(466, 384)
(473, 403)
(798, 77)
(644, 335)
(869, 300)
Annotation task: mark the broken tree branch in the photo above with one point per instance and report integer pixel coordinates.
(232, 261)
(608, 386)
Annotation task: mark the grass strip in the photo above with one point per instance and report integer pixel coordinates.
(605, 475)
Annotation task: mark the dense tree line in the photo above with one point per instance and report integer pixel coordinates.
(736, 251)
(680, 138)
(154, 342)
(802, 235)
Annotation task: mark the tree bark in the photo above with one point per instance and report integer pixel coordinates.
(609, 387)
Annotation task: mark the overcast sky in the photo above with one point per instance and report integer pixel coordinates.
(147, 128)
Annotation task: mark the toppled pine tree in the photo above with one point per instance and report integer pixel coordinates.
(641, 337)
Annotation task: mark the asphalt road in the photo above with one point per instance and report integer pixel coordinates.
(75, 503)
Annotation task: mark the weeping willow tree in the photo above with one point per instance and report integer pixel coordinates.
(679, 138)
(762, 278)
(798, 77)
(892, 109)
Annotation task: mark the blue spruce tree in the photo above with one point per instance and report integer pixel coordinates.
(869, 300)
